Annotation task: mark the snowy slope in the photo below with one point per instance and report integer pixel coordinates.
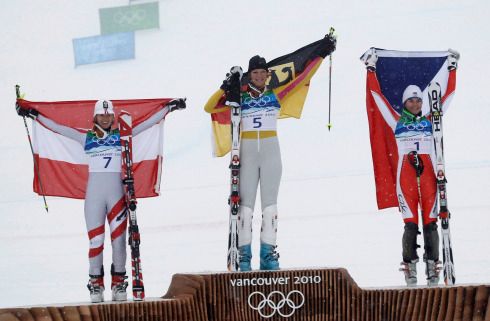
(328, 214)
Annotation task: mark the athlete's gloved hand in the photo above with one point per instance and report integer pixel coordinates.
(416, 162)
(233, 96)
(31, 113)
(326, 46)
(235, 73)
(370, 58)
(178, 103)
(452, 59)
(226, 83)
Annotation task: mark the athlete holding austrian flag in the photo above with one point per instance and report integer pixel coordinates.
(104, 197)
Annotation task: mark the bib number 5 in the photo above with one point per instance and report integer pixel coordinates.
(257, 121)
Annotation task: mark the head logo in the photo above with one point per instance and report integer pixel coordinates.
(276, 302)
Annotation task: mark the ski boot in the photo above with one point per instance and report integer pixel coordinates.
(245, 253)
(96, 287)
(432, 270)
(118, 285)
(431, 255)
(269, 258)
(410, 271)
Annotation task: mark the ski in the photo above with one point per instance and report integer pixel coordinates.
(434, 93)
(125, 130)
(233, 101)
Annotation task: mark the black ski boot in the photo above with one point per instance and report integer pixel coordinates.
(410, 257)
(431, 256)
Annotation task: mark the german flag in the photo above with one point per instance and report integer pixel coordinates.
(290, 80)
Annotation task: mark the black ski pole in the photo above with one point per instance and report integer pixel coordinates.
(330, 33)
(36, 168)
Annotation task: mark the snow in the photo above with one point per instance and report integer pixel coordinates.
(328, 214)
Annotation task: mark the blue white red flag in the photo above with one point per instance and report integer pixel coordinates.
(395, 70)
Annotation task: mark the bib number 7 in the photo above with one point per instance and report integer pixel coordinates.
(108, 161)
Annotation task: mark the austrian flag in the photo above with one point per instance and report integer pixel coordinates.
(63, 163)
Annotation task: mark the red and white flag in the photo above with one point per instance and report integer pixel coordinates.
(62, 162)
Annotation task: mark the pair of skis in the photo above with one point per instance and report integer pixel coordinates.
(233, 100)
(434, 95)
(126, 133)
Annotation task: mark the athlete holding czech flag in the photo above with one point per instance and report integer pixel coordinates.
(104, 196)
(416, 183)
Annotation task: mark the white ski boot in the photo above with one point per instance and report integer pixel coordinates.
(410, 271)
(118, 287)
(432, 270)
(96, 287)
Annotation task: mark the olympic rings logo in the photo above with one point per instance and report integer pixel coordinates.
(280, 307)
(133, 17)
(419, 126)
(262, 101)
(108, 141)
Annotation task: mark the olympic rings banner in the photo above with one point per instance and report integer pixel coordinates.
(395, 70)
(129, 18)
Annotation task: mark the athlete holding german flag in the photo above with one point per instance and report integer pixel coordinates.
(263, 99)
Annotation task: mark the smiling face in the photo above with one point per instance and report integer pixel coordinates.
(414, 105)
(104, 120)
(258, 77)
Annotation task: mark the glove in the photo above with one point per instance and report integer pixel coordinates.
(235, 72)
(416, 162)
(31, 113)
(370, 58)
(175, 104)
(233, 93)
(226, 83)
(452, 59)
(326, 46)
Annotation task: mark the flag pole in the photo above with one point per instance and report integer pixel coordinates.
(329, 125)
(36, 167)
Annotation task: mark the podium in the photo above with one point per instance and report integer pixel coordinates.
(300, 295)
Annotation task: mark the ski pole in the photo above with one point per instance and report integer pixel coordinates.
(36, 168)
(329, 125)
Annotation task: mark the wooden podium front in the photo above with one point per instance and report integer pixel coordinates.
(306, 294)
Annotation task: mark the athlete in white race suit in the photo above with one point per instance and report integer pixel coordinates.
(104, 194)
(260, 157)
